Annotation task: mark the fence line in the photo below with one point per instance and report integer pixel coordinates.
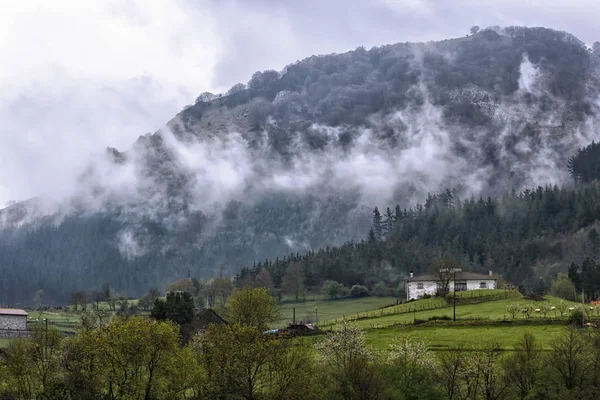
(473, 297)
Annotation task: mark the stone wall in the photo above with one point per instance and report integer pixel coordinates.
(13, 333)
(13, 322)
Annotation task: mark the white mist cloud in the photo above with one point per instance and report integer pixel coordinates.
(79, 76)
(528, 75)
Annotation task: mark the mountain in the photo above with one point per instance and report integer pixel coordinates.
(296, 160)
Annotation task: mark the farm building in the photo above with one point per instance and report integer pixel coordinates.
(294, 330)
(418, 286)
(204, 317)
(12, 322)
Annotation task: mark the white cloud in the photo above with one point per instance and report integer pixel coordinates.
(79, 76)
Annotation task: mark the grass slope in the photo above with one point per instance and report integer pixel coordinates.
(491, 310)
(446, 337)
(330, 309)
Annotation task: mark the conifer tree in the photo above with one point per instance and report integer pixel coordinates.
(377, 223)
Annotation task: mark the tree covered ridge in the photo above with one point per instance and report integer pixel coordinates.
(516, 235)
(338, 89)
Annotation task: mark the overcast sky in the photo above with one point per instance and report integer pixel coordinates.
(77, 76)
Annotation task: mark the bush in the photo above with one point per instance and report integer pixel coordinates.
(578, 317)
(400, 291)
(334, 290)
(440, 318)
(381, 290)
(563, 287)
(359, 291)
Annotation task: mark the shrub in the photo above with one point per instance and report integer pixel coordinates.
(440, 318)
(334, 290)
(578, 317)
(400, 291)
(381, 290)
(544, 308)
(359, 291)
(562, 307)
(513, 309)
(563, 287)
(527, 309)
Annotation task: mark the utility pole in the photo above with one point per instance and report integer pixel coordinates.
(453, 271)
(454, 301)
(582, 307)
(46, 341)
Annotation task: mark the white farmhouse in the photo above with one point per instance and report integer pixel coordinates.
(418, 286)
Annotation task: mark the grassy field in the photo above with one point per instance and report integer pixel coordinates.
(331, 309)
(490, 310)
(433, 304)
(66, 322)
(383, 320)
(445, 337)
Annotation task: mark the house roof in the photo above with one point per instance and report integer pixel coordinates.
(206, 316)
(12, 311)
(463, 276)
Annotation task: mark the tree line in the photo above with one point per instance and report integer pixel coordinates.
(145, 358)
(510, 235)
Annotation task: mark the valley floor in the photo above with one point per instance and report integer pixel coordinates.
(482, 317)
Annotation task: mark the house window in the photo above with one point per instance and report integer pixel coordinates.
(460, 286)
(483, 285)
(420, 285)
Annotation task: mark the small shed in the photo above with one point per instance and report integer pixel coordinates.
(13, 319)
(299, 330)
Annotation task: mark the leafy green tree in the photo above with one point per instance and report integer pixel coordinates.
(181, 285)
(563, 287)
(570, 359)
(293, 280)
(351, 365)
(177, 307)
(443, 268)
(522, 368)
(359, 291)
(513, 309)
(450, 371)
(334, 290)
(241, 362)
(145, 303)
(33, 364)
(137, 357)
(411, 369)
(263, 280)
(381, 290)
(253, 307)
(483, 377)
(223, 288)
(37, 299)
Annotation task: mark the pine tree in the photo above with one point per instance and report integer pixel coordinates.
(398, 213)
(377, 224)
(388, 222)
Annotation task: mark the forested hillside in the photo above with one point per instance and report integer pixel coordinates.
(297, 160)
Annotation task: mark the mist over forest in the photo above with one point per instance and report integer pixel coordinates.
(296, 160)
